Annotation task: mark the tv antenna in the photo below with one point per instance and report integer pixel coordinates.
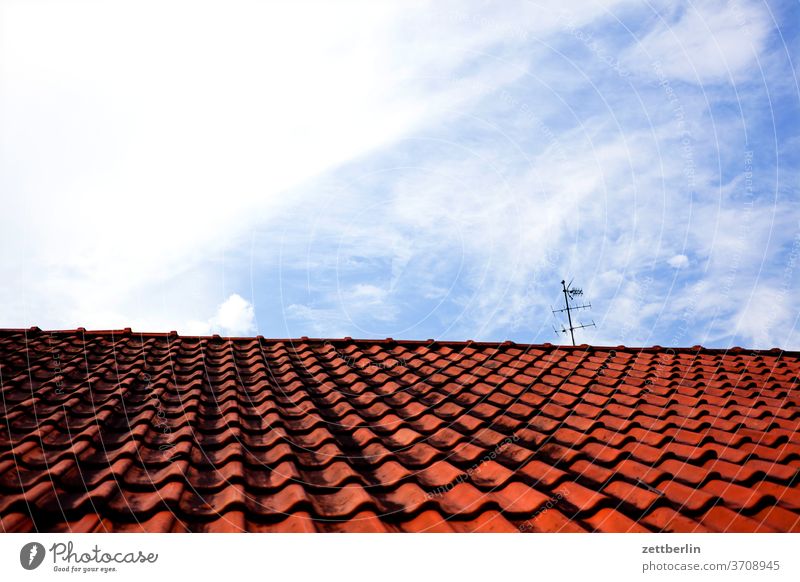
(570, 293)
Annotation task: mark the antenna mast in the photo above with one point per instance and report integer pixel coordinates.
(570, 293)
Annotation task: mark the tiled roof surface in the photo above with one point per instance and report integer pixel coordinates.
(120, 431)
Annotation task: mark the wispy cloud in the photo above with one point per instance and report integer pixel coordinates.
(702, 42)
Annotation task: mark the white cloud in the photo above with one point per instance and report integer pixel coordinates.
(234, 317)
(147, 136)
(678, 261)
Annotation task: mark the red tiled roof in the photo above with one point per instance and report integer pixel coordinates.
(120, 431)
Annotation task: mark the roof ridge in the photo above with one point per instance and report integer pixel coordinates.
(735, 350)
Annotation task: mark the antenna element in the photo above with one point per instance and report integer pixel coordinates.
(570, 293)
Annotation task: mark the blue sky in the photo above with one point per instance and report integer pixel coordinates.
(413, 170)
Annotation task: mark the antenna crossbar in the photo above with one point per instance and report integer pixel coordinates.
(569, 294)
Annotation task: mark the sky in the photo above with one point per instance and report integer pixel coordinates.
(416, 170)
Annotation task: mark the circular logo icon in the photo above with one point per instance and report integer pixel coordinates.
(31, 555)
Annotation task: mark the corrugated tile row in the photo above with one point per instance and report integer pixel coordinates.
(121, 431)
